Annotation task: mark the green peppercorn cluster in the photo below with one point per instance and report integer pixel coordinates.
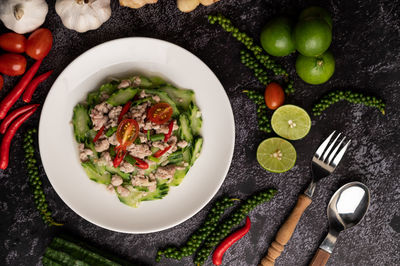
(34, 179)
(234, 219)
(350, 96)
(195, 240)
(262, 115)
(252, 63)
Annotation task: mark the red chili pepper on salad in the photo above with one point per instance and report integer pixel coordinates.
(170, 128)
(27, 97)
(14, 114)
(124, 110)
(120, 153)
(140, 163)
(229, 241)
(98, 135)
(161, 152)
(6, 142)
(1, 82)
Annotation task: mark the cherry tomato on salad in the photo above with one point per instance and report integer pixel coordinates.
(274, 96)
(13, 42)
(12, 64)
(127, 132)
(160, 113)
(39, 43)
(1, 82)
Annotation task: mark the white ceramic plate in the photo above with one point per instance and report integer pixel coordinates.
(119, 58)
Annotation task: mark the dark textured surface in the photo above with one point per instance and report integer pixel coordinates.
(366, 45)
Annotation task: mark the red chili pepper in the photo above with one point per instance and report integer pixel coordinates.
(124, 110)
(12, 97)
(229, 241)
(27, 97)
(170, 127)
(1, 82)
(14, 114)
(161, 152)
(98, 135)
(120, 153)
(140, 163)
(6, 142)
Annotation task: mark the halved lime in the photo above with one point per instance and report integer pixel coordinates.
(276, 155)
(291, 122)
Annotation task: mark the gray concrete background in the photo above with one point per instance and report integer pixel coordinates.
(366, 45)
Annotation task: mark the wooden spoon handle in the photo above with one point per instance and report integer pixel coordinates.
(320, 258)
(286, 231)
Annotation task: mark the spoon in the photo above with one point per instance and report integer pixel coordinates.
(345, 209)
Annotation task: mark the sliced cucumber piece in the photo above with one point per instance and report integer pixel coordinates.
(164, 98)
(93, 98)
(198, 144)
(185, 132)
(181, 97)
(97, 173)
(117, 171)
(145, 82)
(160, 192)
(157, 81)
(81, 121)
(132, 199)
(187, 154)
(195, 119)
(152, 167)
(108, 88)
(178, 177)
(122, 96)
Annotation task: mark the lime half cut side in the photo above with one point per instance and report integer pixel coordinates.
(291, 122)
(276, 155)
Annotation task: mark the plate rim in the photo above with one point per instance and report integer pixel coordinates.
(191, 213)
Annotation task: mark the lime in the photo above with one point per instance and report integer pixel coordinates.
(315, 70)
(291, 122)
(316, 12)
(276, 37)
(276, 155)
(312, 36)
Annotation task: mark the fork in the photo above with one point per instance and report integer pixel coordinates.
(323, 163)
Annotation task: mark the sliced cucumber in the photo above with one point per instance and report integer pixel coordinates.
(145, 82)
(157, 81)
(132, 199)
(164, 98)
(195, 119)
(122, 96)
(108, 88)
(81, 121)
(198, 144)
(160, 192)
(181, 97)
(117, 171)
(90, 145)
(97, 173)
(178, 177)
(93, 98)
(152, 167)
(187, 154)
(185, 132)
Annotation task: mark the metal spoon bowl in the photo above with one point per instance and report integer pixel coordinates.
(346, 208)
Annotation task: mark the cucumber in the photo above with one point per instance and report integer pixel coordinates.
(145, 82)
(160, 192)
(81, 122)
(93, 98)
(175, 157)
(178, 177)
(181, 97)
(195, 119)
(97, 173)
(90, 145)
(132, 199)
(185, 132)
(117, 171)
(108, 88)
(187, 154)
(198, 144)
(122, 96)
(63, 258)
(151, 168)
(157, 81)
(164, 98)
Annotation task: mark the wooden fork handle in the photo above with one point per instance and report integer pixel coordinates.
(286, 231)
(320, 258)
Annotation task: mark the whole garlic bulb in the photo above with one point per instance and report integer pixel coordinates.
(23, 16)
(83, 15)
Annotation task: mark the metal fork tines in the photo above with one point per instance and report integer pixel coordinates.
(326, 159)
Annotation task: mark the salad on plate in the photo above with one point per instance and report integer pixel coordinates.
(138, 136)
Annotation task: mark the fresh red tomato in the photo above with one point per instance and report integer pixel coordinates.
(39, 43)
(274, 96)
(12, 64)
(13, 42)
(160, 113)
(1, 82)
(127, 132)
